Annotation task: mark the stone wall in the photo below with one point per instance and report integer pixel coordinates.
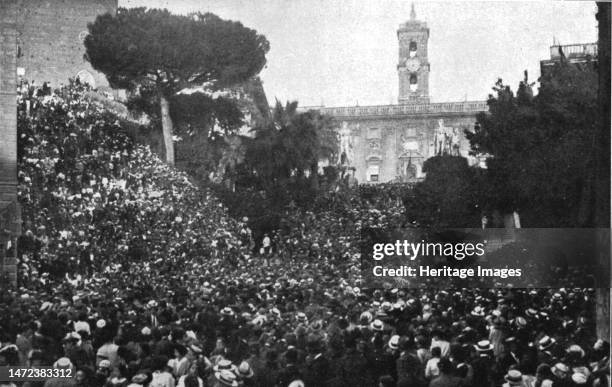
(40, 40)
(8, 133)
(50, 38)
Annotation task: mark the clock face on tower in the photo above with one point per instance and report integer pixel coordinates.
(413, 64)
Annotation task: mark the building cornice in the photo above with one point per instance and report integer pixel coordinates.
(405, 110)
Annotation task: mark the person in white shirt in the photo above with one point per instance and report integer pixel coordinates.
(431, 369)
(266, 244)
(180, 363)
(108, 351)
(82, 324)
(438, 340)
(161, 377)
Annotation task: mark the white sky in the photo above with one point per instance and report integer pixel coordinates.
(344, 52)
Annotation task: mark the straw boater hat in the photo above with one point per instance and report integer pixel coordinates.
(245, 371)
(139, 378)
(377, 325)
(577, 350)
(224, 365)
(520, 322)
(365, 318)
(63, 362)
(301, 317)
(227, 311)
(560, 370)
(514, 378)
(545, 343)
(226, 378)
(478, 311)
(394, 342)
(579, 378)
(484, 346)
(195, 348)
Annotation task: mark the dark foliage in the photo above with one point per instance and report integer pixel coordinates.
(448, 197)
(541, 159)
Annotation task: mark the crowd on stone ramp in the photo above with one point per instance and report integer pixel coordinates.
(131, 275)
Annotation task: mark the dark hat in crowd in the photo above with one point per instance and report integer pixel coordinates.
(386, 381)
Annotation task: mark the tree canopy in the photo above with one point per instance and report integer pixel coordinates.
(449, 196)
(540, 148)
(291, 144)
(162, 53)
(174, 51)
(278, 167)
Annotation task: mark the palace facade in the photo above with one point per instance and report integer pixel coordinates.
(390, 143)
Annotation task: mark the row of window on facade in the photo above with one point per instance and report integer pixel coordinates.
(375, 133)
(406, 172)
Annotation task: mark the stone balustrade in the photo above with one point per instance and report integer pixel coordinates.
(467, 107)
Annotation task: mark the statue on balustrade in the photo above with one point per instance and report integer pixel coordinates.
(446, 140)
(346, 145)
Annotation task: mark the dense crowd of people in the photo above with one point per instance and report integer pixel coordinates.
(130, 275)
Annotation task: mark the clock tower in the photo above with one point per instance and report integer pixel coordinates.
(413, 66)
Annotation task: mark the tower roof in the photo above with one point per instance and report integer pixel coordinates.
(413, 23)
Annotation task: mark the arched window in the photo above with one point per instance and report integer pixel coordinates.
(412, 48)
(86, 77)
(411, 172)
(414, 82)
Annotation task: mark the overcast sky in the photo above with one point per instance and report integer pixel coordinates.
(344, 52)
